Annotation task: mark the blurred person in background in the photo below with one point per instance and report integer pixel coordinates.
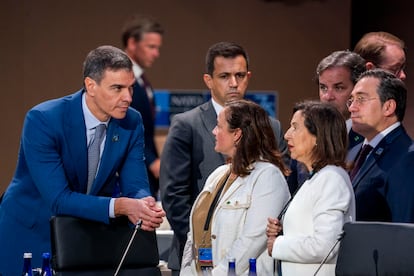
(142, 40)
(383, 50)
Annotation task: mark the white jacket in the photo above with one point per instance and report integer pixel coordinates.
(239, 222)
(313, 222)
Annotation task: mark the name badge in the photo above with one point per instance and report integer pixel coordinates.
(205, 256)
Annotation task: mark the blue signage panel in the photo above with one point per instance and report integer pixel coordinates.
(171, 102)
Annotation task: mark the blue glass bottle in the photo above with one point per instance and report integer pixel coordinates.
(27, 264)
(46, 270)
(232, 267)
(252, 267)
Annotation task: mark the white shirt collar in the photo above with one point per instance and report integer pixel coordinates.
(138, 71)
(217, 106)
(90, 120)
(377, 139)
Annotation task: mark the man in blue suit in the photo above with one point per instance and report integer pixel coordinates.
(142, 40)
(52, 170)
(377, 105)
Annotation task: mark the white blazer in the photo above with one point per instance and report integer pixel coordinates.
(313, 222)
(238, 226)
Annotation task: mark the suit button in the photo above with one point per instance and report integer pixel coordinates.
(213, 237)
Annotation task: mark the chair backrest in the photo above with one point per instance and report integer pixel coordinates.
(83, 247)
(376, 248)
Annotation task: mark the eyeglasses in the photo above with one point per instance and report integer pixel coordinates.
(396, 71)
(359, 100)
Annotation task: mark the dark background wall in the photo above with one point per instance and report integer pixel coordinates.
(44, 42)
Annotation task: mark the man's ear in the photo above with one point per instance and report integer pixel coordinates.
(89, 85)
(369, 65)
(389, 107)
(249, 74)
(208, 81)
(131, 44)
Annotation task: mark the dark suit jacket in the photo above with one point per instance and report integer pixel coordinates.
(141, 103)
(369, 183)
(187, 160)
(400, 189)
(51, 176)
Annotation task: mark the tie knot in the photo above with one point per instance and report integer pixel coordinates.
(366, 149)
(100, 130)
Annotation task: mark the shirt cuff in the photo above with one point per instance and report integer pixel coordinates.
(112, 208)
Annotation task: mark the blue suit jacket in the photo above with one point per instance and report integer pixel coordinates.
(369, 183)
(400, 189)
(51, 176)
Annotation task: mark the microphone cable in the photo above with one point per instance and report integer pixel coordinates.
(136, 228)
(340, 237)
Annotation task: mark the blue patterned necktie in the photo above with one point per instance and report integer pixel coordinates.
(94, 154)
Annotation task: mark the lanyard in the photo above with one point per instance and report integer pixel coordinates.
(214, 203)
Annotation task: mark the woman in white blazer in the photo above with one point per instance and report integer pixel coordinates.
(313, 221)
(249, 189)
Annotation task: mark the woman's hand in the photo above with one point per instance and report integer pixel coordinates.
(274, 228)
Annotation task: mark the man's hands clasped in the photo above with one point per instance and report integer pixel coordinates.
(144, 210)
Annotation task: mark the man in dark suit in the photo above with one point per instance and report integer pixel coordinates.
(142, 40)
(400, 189)
(52, 171)
(189, 156)
(377, 107)
(336, 75)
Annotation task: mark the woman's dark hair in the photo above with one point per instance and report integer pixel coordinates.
(257, 141)
(327, 124)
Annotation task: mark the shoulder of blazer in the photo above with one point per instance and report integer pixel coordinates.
(55, 105)
(205, 107)
(203, 111)
(395, 134)
(56, 111)
(389, 141)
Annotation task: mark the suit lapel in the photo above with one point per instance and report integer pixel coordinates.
(115, 137)
(75, 131)
(209, 119)
(376, 155)
(352, 153)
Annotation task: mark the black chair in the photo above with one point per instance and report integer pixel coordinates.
(375, 248)
(85, 248)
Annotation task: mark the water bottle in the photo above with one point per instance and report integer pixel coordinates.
(27, 264)
(46, 270)
(232, 267)
(252, 267)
